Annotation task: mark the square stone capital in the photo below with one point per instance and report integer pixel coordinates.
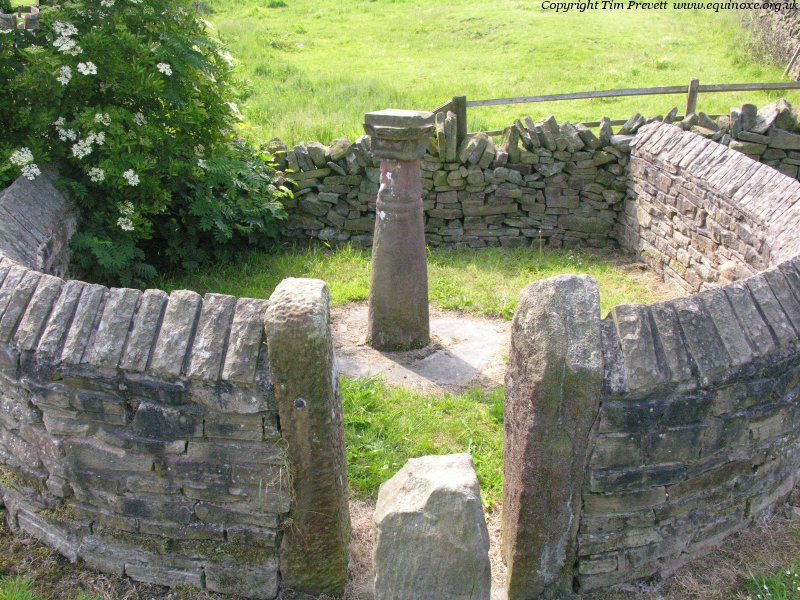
(399, 134)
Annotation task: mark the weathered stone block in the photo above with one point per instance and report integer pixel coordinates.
(211, 337)
(83, 323)
(431, 536)
(144, 330)
(112, 329)
(167, 423)
(230, 576)
(244, 341)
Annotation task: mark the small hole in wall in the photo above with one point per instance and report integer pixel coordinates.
(300, 404)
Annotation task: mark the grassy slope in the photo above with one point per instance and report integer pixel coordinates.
(485, 282)
(318, 65)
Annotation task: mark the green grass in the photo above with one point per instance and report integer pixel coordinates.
(317, 66)
(20, 588)
(484, 282)
(385, 426)
(783, 585)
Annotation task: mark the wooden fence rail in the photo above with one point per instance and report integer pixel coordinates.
(459, 104)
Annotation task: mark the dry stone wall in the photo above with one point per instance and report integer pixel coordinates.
(704, 216)
(696, 430)
(544, 183)
(775, 34)
(698, 433)
(165, 438)
(540, 183)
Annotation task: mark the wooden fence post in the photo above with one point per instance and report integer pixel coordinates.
(691, 96)
(460, 109)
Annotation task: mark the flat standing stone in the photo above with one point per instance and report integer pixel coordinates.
(553, 386)
(59, 321)
(112, 331)
(247, 333)
(35, 317)
(173, 339)
(18, 302)
(83, 323)
(212, 333)
(144, 331)
(314, 552)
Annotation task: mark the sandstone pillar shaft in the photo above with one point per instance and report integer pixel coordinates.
(398, 297)
(553, 384)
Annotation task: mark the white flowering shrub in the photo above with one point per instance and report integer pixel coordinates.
(136, 103)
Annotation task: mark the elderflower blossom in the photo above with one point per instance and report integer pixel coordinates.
(201, 163)
(65, 29)
(131, 177)
(83, 148)
(103, 119)
(107, 3)
(96, 138)
(87, 68)
(126, 208)
(21, 157)
(31, 171)
(64, 42)
(67, 46)
(64, 75)
(139, 119)
(164, 68)
(97, 175)
(66, 134)
(125, 224)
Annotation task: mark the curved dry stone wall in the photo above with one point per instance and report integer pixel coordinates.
(176, 439)
(36, 223)
(698, 431)
(538, 183)
(690, 429)
(704, 216)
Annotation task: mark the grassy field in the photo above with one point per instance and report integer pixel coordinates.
(317, 66)
(485, 282)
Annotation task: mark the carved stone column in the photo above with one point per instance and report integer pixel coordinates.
(398, 297)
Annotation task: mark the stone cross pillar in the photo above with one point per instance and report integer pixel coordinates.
(398, 295)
